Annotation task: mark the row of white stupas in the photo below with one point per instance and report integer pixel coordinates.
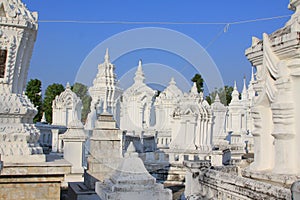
(179, 120)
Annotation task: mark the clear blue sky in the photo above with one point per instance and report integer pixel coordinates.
(62, 47)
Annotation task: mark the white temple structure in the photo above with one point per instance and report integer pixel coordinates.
(276, 107)
(64, 106)
(236, 115)
(192, 123)
(105, 90)
(73, 144)
(67, 112)
(25, 173)
(18, 135)
(105, 150)
(165, 105)
(219, 112)
(186, 127)
(185, 124)
(179, 121)
(239, 120)
(137, 103)
(239, 115)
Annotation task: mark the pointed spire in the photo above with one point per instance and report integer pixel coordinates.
(68, 86)
(252, 75)
(235, 93)
(172, 82)
(251, 91)
(106, 57)
(244, 92)
(255, 40)
(139, 74)
(245, 87)
(234, 87)
(194, 89)
(43, 120)
(140, 65)
(217, 98)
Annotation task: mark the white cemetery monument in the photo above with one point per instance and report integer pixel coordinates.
(132, 181)
(165, 104)
(25, 174)
(136, 105)
(105, 149)
(64, 106)
(74, 138)
(192, 123)
(105, 89)
(219, 111)
(18, 135)
(276, 109)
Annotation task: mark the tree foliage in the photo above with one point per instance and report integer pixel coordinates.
(199, 82)
(51, 92)
(224, 95)
(228, 91)
(82, 92)
(33, 91)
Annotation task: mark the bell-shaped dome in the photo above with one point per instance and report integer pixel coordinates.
(172, 91)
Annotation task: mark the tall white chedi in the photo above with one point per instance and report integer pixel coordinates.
(251, 94)
(219, 112)
(165, 104)
(137, 102)
(276, 108)
(18, 136)
(105, 91)
(236, 123)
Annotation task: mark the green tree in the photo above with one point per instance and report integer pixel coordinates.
(199, 82)
(51, 92)
(82, 92)
(209, 99)
(33, 91)
(228, 92)
(224, 95)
